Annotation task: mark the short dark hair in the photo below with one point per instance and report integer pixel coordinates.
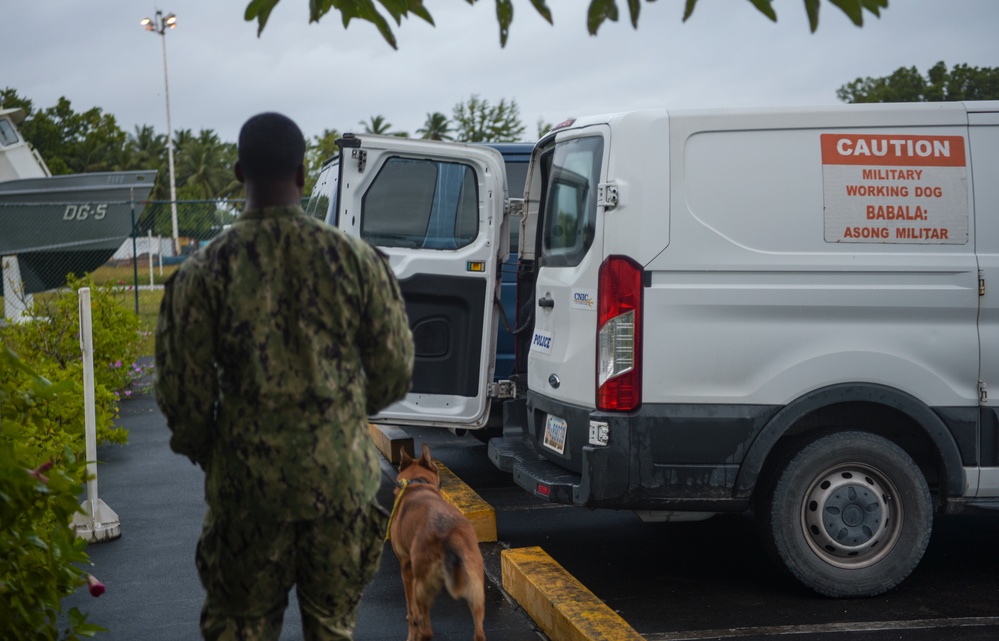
(271, 147)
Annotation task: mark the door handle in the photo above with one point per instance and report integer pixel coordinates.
(546, 302)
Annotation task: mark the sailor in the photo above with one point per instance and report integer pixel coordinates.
(274, 343)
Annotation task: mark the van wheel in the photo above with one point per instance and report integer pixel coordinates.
(850, 515)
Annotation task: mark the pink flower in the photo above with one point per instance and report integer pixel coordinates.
(96, 587)
(128, 392)
(117, 364)
(39, 472)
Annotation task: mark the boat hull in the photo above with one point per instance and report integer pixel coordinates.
(68, 224)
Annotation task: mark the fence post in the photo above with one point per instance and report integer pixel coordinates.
(98, 523)
(149, 253)
(135, 253)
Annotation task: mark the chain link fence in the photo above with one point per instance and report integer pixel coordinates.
(121, 243)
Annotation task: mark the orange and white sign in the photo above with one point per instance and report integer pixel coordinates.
(895, 188)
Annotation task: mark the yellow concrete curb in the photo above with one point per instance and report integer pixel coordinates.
(481, 514)
(558, 603)
(391, 441)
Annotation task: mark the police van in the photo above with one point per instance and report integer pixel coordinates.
(789, 311)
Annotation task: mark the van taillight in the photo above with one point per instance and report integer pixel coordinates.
(619, 335)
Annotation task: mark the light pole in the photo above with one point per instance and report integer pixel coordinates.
(159, 24)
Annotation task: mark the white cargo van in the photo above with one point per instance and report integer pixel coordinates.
(791, 311)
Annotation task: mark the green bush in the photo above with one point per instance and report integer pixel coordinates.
(42, 425)
(51, 346)
(40, 555)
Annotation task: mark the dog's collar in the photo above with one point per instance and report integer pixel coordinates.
(403, 484)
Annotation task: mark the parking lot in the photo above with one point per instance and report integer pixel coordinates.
(667, 582)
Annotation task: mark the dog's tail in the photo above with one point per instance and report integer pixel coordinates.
(460, 574)
(455, 577)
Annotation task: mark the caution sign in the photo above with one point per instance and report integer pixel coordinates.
(895, 189)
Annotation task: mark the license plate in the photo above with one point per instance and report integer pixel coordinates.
(555, 429)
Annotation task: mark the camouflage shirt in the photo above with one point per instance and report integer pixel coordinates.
(274, 344)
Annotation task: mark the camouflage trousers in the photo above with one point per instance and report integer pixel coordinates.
(248, 566)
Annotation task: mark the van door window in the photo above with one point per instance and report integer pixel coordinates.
(571, 202)
(322, 195)
(421, 204)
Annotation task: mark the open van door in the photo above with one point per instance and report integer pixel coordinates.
(437, 211)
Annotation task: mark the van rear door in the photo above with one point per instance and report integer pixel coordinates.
(436, 210)
(562, 356)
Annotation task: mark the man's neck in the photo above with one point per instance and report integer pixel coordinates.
(273, 196)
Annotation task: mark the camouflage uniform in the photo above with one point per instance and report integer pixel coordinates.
(274, 344)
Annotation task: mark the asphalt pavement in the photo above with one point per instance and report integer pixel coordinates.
(153, 590)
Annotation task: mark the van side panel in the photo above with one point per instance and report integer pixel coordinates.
(639, 225)
(984, 142)
(752, 305)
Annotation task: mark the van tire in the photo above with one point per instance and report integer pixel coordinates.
(850, 515)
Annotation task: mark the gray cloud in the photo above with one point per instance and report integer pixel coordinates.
(323, 76)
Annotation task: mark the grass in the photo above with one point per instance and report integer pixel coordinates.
(148, 299)
(125, 274)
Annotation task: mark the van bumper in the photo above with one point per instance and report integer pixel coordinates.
(597, 476)
(641, 467)
(515, 453)
(532, 472)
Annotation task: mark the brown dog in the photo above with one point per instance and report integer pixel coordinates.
(436, 546)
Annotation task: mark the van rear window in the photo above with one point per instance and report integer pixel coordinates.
(571, 203)
(421, 204)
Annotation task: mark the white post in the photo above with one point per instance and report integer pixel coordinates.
(149, 247)
(159, 253)
(16, 303)
(173, 182)
(98, 522)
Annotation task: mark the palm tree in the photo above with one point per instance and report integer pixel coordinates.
(319, 150)
(146, 149)
(204, 167)
(376, 125)
(436, 127)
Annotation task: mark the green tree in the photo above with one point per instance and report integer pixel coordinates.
(544, 127)
(146, 149)
(204, 168)
(436, 127)
(9, 99)
(599, 12)
(478, 121)
(68, 141)
(376, 125)
(180, 138)
(319, 150)
(906, 84)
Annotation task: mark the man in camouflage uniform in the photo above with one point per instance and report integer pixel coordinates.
(274, 344)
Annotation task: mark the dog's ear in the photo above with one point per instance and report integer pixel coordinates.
(405, 460)
(425, 459)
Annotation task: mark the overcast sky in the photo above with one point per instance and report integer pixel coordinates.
(95, 53)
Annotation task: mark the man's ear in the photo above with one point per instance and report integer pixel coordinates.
(238, 170)
(300, 176)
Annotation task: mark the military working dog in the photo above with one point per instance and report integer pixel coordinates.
(436, 545)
